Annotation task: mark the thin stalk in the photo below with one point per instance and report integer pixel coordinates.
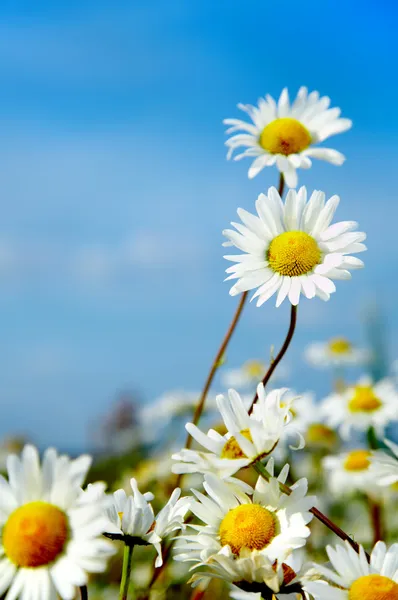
(376, 518)
(317, 513)
(84, 592)
(281, 185)
(126, 571)
(215, 365)
(282, 352)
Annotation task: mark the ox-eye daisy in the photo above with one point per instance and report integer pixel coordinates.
(242, 537)
(284, 135)
(51, 531)
(249, 438)
(337, 352)
(291, 248)
(250, 373)
(133, 516)
(384, 467)
(362, 406)
(349, 472)
(354, 578)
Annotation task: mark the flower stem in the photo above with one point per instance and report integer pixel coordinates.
(376, 518)
(282, 351)
(216, 363)
(259, 467)
(126, 571)
(84, 592)
(281, 186)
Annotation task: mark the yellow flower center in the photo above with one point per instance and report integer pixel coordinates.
(232, 449)
(293, 253)
(248, 526)
(285, 136)
(373, 587)
(364, 400)
(339, 346)
(320, 436)
(254, 368)
(357, 460)
(35, 534)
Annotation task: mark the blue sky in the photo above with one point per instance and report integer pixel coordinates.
(115, 190)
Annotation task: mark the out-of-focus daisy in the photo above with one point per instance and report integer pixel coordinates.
(384, 467)
(291, 248)
(178, 403)
(51, 532)
(133, 516)
(349, 472)
(362, 406)
(242, 537)
(353, 578)
(337, 352)
(309, 421)
(285, 135)
(249, 374)
(249, 438)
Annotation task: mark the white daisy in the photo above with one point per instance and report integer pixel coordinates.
(349, 472)
(134, 517)
(337, 352)
(384, 467)
(291, 248)
(309, 421)
(51, 532)
(284, 135)
(354, 578)
(362, 406)
(250, 373)
(242, 537)
(249, 438)
(282, 579)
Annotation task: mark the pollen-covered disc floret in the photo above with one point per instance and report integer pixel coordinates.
(353, 578)
(51, 530)
(362, 406)
(290, 248)
(133, 516)
(246, 533)
(248, 437)
(285, 134)
(349, 472)
(337, 352)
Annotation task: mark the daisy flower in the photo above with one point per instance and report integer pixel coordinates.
(384, 468)
(249, 438)
(285, 135)
(51, 531)
(282, 579)
(362, 406)
(291, 248)
(242, 537)
(249, 374)
(349, 472)
(337, 352)
(133, 516)
(308, 420)
(353, 578)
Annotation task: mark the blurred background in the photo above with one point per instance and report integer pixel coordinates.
(115, 189)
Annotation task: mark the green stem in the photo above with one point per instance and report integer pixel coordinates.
(372, 439)
(126, 572)
(259, 467)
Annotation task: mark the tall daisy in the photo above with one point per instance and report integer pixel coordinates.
(353, 578)
(243, 536)
(361, 406)
(285, 135)
(133, 516)
(291, 248)
(51, 531)
(249, 438)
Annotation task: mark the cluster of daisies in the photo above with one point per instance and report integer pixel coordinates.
(54, 532)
